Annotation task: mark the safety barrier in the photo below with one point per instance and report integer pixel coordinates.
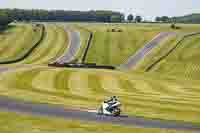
(88, 65)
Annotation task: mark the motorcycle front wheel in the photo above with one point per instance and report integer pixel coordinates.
(117, 112)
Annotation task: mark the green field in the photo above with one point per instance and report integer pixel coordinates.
(169, 90)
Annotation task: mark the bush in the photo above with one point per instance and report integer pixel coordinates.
(114, 30)
(4, 21)
(173, 26)
(120, 30)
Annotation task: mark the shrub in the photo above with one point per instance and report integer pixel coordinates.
(4, 21)
(173, 26)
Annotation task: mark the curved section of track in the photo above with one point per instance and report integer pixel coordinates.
(11, 105)
(74, 46)
(145, 50)
(52, 46)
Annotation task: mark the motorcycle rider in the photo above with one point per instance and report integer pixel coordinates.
(111, 102)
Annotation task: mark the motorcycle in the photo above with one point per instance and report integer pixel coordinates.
(114, 109)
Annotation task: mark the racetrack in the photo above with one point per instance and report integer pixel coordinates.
(13, 105)
(133, 60)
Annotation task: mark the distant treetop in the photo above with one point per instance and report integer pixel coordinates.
(130, 18)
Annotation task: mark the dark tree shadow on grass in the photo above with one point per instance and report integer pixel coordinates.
(3, 29)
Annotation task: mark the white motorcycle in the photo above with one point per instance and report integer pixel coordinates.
(110, 109)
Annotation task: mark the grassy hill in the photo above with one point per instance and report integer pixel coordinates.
(142, 95)
(169, 90)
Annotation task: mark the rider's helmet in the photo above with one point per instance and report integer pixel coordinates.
(114, 98)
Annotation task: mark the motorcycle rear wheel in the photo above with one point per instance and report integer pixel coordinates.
(100, 111)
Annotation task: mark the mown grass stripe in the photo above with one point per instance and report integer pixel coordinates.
(7, 38)
(95, 84)
(25, 52)
(5, 52)
(110, 84)
(22, 79)
(56, 48)
(127, 86)
(61, 81)
(45, 80)
(78, 84)
(46, 44)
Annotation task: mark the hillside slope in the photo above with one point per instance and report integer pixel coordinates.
(141, 95)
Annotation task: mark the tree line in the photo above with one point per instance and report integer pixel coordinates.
(131, 18)
(191, 18)
(60, 15)
(9, 15)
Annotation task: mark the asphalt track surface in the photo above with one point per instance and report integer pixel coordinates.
(22, 107)
(133, 60)
(3, 69)
(13, 105)
(74, 41)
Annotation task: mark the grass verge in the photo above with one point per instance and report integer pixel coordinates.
(15, 123)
